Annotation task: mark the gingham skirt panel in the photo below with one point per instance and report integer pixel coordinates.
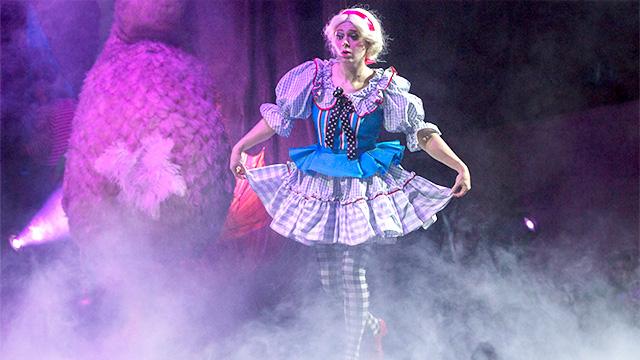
(319, 209)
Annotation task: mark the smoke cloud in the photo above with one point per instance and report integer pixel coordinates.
(498, 303)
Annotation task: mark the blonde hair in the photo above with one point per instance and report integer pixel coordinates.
(375, 39)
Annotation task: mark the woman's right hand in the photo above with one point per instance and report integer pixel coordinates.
(259, 133)
(235, 163)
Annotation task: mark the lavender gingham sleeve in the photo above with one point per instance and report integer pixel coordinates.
(293, 98)
(403, 112)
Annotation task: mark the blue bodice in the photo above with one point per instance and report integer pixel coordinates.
(372, 157)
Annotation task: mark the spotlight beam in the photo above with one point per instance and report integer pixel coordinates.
(49, 224)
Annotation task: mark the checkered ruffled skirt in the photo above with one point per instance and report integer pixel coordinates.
(316, 208)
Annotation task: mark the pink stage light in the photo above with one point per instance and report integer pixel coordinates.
(530, 224)
(85, 301)
(49, 224)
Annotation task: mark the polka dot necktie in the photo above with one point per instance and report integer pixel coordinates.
(340, 114)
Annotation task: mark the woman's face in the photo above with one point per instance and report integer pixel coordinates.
(348, 44)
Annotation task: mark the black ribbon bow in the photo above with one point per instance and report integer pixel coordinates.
(340, 114)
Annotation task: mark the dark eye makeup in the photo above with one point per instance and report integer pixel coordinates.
(352, 34)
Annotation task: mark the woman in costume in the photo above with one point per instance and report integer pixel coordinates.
(348, 191)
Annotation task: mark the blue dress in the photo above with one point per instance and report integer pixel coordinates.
(329, 194)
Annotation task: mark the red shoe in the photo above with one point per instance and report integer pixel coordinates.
(378, 351)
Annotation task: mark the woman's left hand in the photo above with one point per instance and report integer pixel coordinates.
(463, 183)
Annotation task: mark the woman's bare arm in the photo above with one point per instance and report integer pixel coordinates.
(438, 149)
(259, 133)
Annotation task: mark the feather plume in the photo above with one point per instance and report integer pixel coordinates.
(146, 176)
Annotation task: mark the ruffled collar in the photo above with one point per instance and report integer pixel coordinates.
(365, 100)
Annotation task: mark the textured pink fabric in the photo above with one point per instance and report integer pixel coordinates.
(61, 117)
(137, 91)
(246, 212)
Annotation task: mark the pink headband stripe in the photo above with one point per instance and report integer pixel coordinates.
(361, 15)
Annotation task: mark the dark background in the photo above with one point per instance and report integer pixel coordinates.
(540, 99)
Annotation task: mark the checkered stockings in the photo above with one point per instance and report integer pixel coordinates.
(343, 275)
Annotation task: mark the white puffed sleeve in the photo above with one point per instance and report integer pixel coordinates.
(403, 112)
(293, 98)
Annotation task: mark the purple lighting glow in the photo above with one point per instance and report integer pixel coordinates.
(49, 224)
(85, 301)
(530, 224)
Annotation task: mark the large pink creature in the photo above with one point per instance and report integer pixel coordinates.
(147, 155)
